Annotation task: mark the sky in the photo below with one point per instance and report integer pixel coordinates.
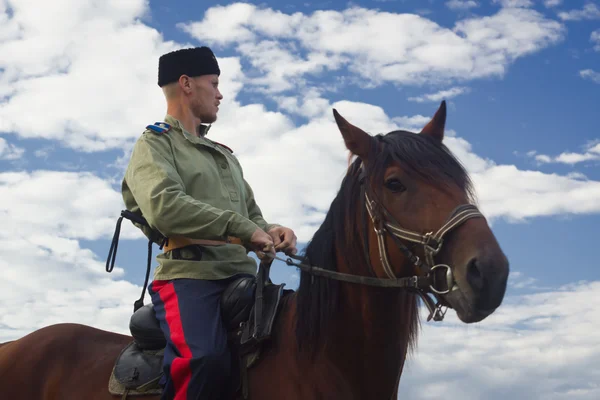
(522, 82)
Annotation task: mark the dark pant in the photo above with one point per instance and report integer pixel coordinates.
(197, 359)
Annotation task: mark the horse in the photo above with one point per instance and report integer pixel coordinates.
(403, 228)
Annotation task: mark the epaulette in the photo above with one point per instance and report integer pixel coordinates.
(222, 145)
(159, 127)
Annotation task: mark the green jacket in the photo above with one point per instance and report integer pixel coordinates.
(190, 186)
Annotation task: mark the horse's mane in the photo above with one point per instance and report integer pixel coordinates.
(317, 298)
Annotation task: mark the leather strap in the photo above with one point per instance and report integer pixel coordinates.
(176, 242)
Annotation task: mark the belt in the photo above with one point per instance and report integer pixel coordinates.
(177, 242)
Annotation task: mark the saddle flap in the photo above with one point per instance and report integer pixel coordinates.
(136, 368)
(272, 297)
(256, 332)
(236, 302)
(145, 329)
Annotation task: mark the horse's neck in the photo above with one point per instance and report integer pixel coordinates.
(369, 338)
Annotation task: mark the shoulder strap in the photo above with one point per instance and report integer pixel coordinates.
(159, 127)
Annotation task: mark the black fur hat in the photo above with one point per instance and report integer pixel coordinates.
(194, 61)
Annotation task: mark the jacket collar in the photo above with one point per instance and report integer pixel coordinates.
(175, 123)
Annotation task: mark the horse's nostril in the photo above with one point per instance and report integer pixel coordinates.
(474, 276)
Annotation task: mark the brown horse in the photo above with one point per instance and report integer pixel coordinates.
(334, 338)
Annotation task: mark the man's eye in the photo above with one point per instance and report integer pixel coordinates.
(395, 185)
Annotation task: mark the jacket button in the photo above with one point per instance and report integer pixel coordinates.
(224, 166)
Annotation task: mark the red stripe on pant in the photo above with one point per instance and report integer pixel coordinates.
(180, 368)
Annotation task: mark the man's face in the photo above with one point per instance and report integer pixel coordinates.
(205, 98)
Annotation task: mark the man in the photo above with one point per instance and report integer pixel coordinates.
(192, 191)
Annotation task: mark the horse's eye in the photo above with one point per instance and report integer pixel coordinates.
(395, 185)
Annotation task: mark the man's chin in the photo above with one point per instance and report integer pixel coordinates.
(209, 119)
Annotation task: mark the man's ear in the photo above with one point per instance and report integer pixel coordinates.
(185, 83)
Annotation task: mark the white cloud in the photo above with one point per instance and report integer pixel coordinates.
(65, 205)
(414, 123)
(441, 95)
(44, 152)
(284, 68)
(543, 158)
(309, 104)
(88, 73)
(507, 192)
(461, 4)
(65, 70)
(595, 38)
(464, 152)
(58, 281)
(514, 3)
(552, 3)
(590, 74)
(518, 280)
(589, 11)
(574, 158)
(591, 152)
(508, 35)
(576, 175)
(45, 270)
(370, 46)
(533, 347)
(243, 22)
(9, 151)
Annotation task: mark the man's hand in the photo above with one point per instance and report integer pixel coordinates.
(284, 239)
(262, 242)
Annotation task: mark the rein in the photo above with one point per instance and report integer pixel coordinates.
(407, 282)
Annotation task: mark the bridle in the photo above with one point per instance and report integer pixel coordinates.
(425, 283)
(384, 223)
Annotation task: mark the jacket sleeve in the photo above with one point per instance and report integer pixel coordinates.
(254, 212)
(160, 194)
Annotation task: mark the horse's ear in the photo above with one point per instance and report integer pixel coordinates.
(435, 127)
(357, 140)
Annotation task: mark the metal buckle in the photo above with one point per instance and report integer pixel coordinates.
(414, 281)
(449, 279)
(417, 260)
(428, 247)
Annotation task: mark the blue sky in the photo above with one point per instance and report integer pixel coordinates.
(522, 81)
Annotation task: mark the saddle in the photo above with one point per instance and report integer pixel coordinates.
(249, 306)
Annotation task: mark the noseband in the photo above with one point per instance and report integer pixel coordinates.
(427, 280)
